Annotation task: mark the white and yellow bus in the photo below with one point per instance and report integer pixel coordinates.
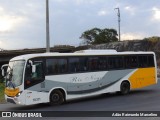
(59, 77)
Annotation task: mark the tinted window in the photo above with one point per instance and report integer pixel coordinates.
(56, 66)
(93, 63)
(77, 64)
(142, 61)
(115, 62)
(131, 61)
(150, 61)
(103, 63)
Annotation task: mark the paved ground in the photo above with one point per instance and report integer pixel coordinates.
(146, 99)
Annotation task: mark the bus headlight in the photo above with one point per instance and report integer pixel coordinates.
(19, 94)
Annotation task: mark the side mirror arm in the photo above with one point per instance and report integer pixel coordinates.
(2, 68)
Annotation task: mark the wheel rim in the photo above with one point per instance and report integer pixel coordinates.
(55, 97)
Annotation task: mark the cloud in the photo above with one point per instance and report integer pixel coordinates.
(23, 21)
(22, 24)
(156, 13)
(76, 2)
(60, 1)
(80, 2)
(102, 13)
(130, 9)
(9, 22)
(132, 36)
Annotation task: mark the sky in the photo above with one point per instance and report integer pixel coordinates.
(22, 22)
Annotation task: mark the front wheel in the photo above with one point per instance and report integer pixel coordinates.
(125, 88)
(56, 98)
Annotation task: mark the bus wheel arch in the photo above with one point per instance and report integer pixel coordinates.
(125, 87)
(57, 96)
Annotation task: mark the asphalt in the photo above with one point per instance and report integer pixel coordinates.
(146, 99)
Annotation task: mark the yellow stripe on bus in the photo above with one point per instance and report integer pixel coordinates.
(11, 92)
(142, 77)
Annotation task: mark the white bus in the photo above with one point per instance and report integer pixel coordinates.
(57, 77)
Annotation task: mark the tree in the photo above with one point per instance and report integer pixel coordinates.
(99, 36)
(153, 38)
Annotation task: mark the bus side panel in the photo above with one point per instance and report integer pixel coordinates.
(143, 77)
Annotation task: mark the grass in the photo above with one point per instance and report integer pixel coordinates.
(2, 100)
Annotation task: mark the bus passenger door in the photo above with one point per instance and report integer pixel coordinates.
(33, 81)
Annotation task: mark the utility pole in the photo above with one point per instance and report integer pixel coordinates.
(47, 27)
(119, 20)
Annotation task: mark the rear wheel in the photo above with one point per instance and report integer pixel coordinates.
(125, 88)
(56, 97)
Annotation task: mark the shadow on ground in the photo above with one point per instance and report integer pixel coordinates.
(105, 97)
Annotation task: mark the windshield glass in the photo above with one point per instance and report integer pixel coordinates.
(15, 72)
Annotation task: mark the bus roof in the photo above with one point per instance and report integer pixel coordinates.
(79, 53)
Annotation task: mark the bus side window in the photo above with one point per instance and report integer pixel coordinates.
(102, 63)
(111, 62)
(77, 64)
(115, 62)
(142, 61)
(93, 63)
(131, 61)
(73, 65)
(83, 64)
(56, 66)
(151, 61)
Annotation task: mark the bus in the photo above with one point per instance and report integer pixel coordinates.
(58, 77)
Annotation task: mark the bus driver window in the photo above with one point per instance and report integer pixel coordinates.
(35, 77)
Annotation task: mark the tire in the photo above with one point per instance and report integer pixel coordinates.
(56, 98)
(125, 88)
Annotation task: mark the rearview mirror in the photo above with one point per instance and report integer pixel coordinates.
(33, 68)
(4, 69)
(3, 74)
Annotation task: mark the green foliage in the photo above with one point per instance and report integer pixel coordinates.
(99, 36)
(2, 87)
(1, 79)
(153, 39)
(63, 46)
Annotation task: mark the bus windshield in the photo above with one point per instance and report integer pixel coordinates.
(15, 73)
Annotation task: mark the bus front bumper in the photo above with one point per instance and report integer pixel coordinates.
(13, 100)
